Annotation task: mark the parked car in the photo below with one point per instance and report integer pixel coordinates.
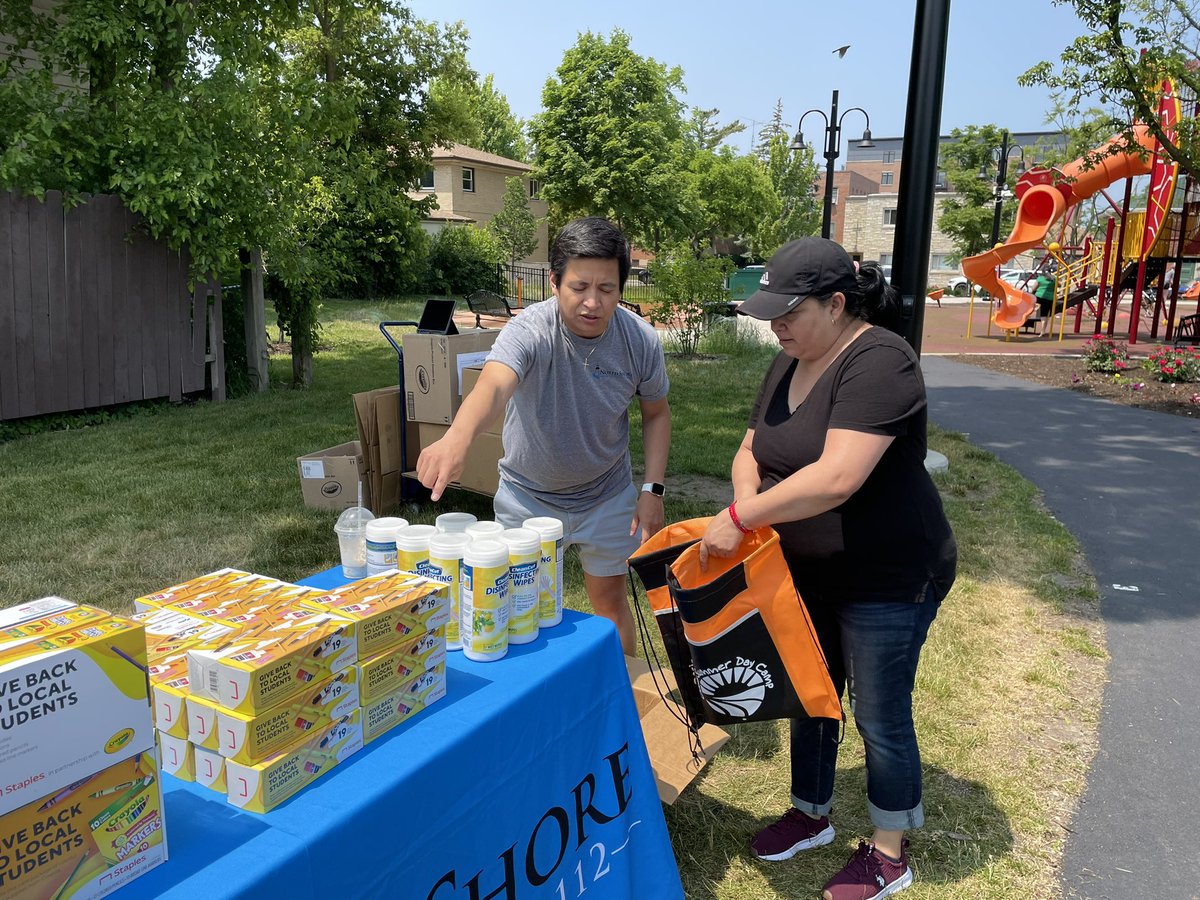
(1025, 279)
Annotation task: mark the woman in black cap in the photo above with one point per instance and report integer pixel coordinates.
(834, 461)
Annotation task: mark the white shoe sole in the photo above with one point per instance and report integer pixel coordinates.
(896, 886)
(817, 840)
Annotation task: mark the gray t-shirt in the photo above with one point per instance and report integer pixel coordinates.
(566, 430)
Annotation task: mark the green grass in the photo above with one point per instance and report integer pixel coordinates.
(1008, 693)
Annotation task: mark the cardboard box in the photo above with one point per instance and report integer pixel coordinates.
(433, 365)
(226, 596)
(97, 834)
(89, 684)
(178, 756)
(379, 422)
(44, 618)
(248, 739)
(201, 721)
(210, 769)
(401, 705)
(329, 478)
(481, 472)
(667, 739)
(390, 609)
(263, 786)
(470, 378)
(390, 671)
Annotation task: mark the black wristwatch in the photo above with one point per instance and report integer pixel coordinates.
(655, 488)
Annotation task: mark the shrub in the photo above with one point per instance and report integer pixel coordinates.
(462, 259)
(1174, 365)
(1103, 354)
(688, 292)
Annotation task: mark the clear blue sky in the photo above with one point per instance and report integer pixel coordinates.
(741, 57)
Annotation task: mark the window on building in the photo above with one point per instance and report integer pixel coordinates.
(535, 189)
(940, 261)
(885, 259)
(889, 156)
(426, 183)
(835, 196)
(939, 181)
(889, 217)
(468, 181)
(886, 178)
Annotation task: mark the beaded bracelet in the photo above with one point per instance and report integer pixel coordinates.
(733, 516)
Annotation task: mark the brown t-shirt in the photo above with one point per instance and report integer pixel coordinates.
(891, 538)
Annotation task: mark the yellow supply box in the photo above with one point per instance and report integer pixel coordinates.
(228, 595)
(419, 693)
(388, 608)
(71, 704)
(43, 618)
(269, 663)
(168, 695)
(201, 721)
(210, 769)
(248, 739)
(177, 756)
(388, 672)
(87, 839)
(263, 786)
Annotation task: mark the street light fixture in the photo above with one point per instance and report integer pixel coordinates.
(1000, 156)
(833, 149)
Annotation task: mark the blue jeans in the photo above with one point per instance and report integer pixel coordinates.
(872, 648)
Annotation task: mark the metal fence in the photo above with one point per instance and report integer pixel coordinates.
(93, 313)
(529, 284)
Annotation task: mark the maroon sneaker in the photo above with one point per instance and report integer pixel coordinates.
(870, 875)
(791, 834)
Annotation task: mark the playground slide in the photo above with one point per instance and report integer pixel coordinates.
(1039, 208)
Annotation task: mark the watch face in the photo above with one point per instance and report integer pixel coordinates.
(654, 488)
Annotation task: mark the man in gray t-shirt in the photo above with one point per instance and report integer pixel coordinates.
(566, 371)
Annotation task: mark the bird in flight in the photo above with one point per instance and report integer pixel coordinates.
(841, 51)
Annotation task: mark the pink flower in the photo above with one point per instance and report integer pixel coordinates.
(1139, 385)
(1075, 379)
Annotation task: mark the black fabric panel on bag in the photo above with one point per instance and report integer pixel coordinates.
(680, 656)
(742, 678)
(652, 568)
(702, 603)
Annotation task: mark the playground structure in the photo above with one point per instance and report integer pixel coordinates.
(1144, 249)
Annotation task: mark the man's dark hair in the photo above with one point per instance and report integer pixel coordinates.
(589, 238)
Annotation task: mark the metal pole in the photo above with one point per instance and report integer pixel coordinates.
(832, 133)
(1001, 175)
(918, 175)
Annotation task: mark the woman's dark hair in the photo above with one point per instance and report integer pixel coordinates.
(589, 238)
(875, 301)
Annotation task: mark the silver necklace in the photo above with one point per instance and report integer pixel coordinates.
(568, 337)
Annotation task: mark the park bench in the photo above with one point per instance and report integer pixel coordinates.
(1186, 332)
(488, 303)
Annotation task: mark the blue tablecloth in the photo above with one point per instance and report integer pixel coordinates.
(529, 779)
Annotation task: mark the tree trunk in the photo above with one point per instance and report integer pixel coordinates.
(254, 318)
(302, 366)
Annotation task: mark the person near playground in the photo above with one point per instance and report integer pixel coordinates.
(566, 371)
(834, 461)
(1044, 293)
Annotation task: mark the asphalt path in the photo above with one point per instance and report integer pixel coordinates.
(1126, 483)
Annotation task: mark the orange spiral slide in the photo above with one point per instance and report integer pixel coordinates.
(1039, 208)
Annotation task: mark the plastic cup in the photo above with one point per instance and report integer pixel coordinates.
(351, 529)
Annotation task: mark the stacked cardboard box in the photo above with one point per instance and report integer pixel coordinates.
(80, 802)
(257, 683)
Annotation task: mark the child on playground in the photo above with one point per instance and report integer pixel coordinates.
(1044, 292)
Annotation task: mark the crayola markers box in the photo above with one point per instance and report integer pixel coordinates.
(84, 841)
(71, 704)
(210, 769)
(388, 608)
(270, 662)
(248, 739)
(43, 618)
(386, 673)
(263, 786)
(417, 694)
(177, 756)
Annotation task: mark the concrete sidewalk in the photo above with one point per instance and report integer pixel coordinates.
(1126, 483)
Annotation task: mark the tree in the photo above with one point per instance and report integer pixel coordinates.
(515, 227)
(1131, 46)
(609, 139)
(480, 117)
(967, 215)
(771, 132)
(690, 291)
(792, 175)
(705, 133)
(729, 198)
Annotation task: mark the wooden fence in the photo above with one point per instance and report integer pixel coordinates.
(94, 313)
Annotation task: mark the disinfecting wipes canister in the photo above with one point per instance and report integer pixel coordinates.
(524, 553)
(483, 601)
(550, 568)
(445, 565)
(412, 548)
(454, 522)
(484, 530)
(381, 543)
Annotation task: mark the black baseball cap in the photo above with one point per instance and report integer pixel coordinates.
(806, 267)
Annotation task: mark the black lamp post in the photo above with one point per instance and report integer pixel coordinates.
(1000, 156)
(833, 149)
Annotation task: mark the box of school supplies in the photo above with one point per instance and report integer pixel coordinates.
(401, 705)
(89, 684)
(85, 840)
(388, 608)
(389, 671)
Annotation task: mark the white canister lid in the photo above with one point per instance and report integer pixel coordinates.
(384, 529)
(454, 522)
(550, 528)
(489, 530)
(414, 537)
(522, 541)
(486, 554)
(448, 545)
